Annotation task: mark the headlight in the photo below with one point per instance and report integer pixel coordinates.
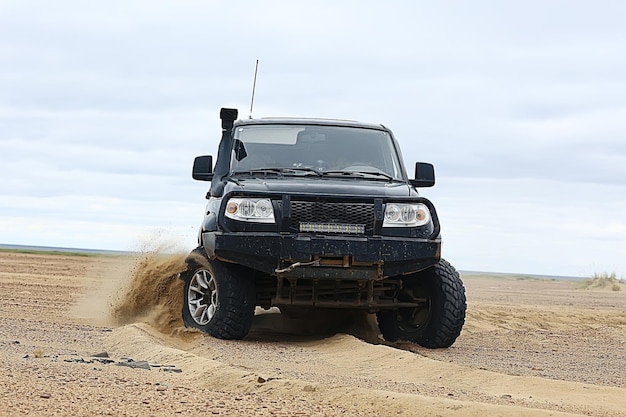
(257, 210)
(406, 215)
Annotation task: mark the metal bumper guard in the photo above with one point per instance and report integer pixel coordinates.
(382, 256)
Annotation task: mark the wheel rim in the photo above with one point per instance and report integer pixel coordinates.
(202, 297)
(413, 319)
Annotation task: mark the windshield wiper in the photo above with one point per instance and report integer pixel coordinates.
(360, 174)
(304, 170)
(276, 171)
(279, 171)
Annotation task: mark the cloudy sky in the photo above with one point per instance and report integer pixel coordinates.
(521, 106)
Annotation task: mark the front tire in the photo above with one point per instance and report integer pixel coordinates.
(218, 298)
(438, 321)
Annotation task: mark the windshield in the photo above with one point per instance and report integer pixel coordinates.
(323, 149)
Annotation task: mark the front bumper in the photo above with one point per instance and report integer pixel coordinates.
(340, 257)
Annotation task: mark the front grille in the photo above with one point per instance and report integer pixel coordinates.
(312, 212)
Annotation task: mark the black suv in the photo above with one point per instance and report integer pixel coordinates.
(315, 213)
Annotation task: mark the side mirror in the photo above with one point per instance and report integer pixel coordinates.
(424, 175)
(203, 168)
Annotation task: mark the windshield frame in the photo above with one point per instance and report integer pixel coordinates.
(317, 147)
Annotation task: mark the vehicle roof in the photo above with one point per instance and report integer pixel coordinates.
(308, 122)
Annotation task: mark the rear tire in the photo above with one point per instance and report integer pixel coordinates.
(218, 298)
(438, 321)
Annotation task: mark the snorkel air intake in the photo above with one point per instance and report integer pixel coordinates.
(228, 117)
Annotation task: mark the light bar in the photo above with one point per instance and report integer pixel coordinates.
(332, 228)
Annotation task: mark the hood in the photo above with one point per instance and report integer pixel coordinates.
(326, 186)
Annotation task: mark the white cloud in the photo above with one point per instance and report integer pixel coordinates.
(520, 106)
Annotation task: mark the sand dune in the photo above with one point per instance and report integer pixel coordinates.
(530, 347)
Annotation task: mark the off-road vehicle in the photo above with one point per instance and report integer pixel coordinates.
(316, 213)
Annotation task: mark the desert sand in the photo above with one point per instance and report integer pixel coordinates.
(101, 335)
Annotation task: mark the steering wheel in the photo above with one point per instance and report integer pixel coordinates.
(359, 166)
(318, 165)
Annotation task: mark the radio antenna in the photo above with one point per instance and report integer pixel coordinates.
(256, 69)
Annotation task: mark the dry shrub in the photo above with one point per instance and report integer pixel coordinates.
(604, 280)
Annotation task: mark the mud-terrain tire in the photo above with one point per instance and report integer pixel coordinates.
(218, 298)
(439, 321)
